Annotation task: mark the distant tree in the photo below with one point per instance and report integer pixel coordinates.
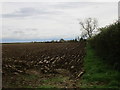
(83, 35)
(62, 40)
(52, 41)
(75, 40)
(78, 38)
(88, 25)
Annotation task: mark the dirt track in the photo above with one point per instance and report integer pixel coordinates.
(43, 59)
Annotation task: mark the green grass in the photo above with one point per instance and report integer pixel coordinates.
(53, 82)
(46, 86)
(55, 79)
(97, 73)
(30, 77)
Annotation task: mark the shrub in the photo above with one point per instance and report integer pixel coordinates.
(107, 44)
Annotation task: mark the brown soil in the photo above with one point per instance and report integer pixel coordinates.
(40, 64)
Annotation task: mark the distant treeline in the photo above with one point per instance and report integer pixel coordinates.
(63, 41)
(107, 44)
(78, 39)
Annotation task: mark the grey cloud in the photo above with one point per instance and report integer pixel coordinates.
(23, 31)
(46, 10)
(25, 12)
(32, 29)
(13, 15)
(18, 32)
(21, 13)
(69, 5)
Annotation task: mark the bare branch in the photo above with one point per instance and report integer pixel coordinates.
(89, 25)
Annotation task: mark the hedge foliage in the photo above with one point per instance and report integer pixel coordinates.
(107, 44)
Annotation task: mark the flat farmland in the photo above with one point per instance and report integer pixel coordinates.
(42, 65)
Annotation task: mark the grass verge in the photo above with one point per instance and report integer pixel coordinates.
(97, 73)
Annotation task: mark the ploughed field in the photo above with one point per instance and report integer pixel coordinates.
(34, 64)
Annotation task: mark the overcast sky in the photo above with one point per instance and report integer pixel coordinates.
(52, 20)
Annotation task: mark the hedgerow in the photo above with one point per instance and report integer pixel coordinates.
(107, 44)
